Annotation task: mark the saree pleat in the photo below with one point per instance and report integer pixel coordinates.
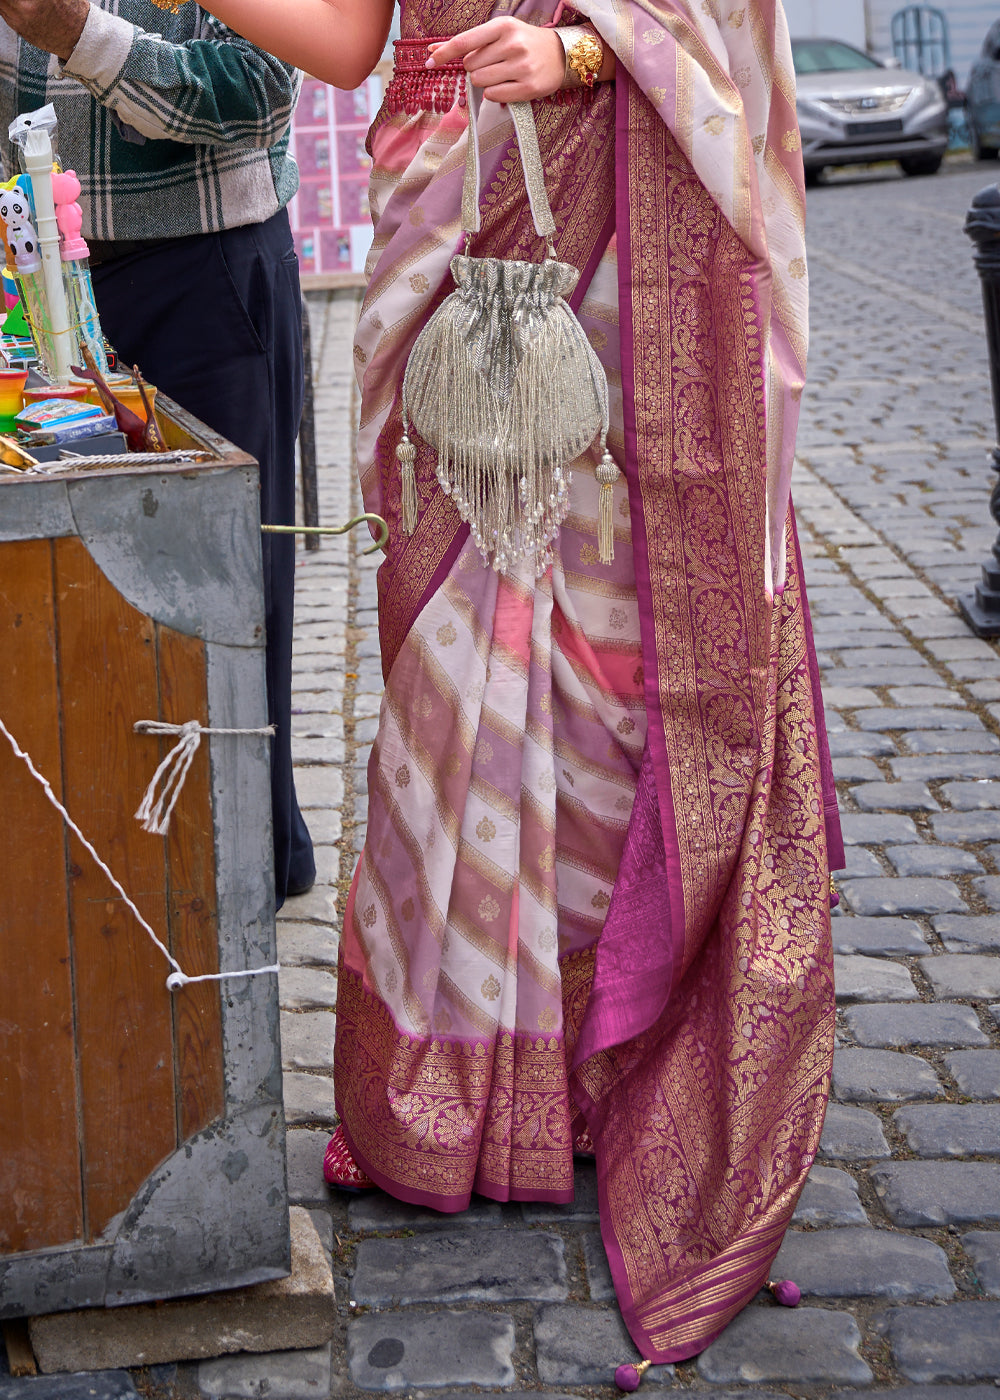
(595, 878)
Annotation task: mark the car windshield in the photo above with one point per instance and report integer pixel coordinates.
(828, 56)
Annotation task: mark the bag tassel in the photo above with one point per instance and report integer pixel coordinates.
(607, 474)
(406, 455)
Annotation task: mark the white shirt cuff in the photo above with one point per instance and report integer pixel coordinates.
(102, 49)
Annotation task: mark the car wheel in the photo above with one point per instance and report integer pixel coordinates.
(979, 151)
(921, 165)
(813, 172)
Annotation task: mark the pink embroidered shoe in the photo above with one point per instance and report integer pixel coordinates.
(340, 1169)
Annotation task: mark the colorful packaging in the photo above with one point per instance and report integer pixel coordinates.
(53, 412)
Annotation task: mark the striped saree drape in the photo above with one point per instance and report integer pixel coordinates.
(595, 883)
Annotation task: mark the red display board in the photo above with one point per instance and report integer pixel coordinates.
(330, 218)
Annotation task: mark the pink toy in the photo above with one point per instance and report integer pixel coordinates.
(69, 216)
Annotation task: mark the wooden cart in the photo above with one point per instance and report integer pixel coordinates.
(142, 1150)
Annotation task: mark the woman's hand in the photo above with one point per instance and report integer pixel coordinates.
(510, 60)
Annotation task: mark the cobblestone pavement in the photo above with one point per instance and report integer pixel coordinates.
(896, 1243)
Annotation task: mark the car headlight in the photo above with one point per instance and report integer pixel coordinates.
(930, 98)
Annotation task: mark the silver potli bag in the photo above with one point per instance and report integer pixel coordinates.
(503, 384)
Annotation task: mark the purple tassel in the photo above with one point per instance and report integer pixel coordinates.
(629, 1378)
(787, 1293)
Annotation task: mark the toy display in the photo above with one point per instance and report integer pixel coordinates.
(52, 329)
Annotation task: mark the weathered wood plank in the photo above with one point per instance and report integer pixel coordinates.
(193, 909)
(40, 1184)
(108, 680)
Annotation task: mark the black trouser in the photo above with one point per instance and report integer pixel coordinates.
(215, 321)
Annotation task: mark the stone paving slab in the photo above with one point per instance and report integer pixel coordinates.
(879, 829)
(939, 1193)
(983, 1248)
(281, 1375)
(852, 1135)
(796, 1346)
(900, 797)
(577, 1345)
(964, 975)
(976, 1072)
(987, 887)
(489, 1266)
(829, 1197)
(304, 1151)
(595, 1261)
(304, 945)
(872, 979)
(397, 1351)
(962, 933)
(914, 896)
(865, 1264)
(87, 1385)
(308, 1098)
(883, 1076)
(307, 989)
(929, 741)
(960, 1342)
(951, 1130)
(920, 1024)
(879, 937)
(373, 1212)
(307, 1040)
(922, 719)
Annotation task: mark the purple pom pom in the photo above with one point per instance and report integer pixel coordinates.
(834, 899)
(627, 1378)
(787, 1293)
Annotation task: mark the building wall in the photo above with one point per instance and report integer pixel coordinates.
(330, 218)
(827, 19)
(968, 21)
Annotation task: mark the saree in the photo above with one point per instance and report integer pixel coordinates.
(594, 891)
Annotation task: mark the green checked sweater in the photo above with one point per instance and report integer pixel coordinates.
(173, 123)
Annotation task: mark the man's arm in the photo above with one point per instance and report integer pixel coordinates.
(216, 89)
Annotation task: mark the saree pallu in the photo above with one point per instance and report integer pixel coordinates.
(595, 882)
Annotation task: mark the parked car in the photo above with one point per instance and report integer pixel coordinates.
(982, 99)
(855, 109)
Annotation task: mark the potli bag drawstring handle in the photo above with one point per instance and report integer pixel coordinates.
(472, 222)
(531, 164)
(476, 481)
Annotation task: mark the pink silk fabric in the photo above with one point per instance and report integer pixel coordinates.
(595, 882)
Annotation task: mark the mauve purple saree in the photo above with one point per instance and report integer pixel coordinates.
(595, 883)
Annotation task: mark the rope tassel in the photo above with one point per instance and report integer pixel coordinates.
(160, 798)
(406, 455)
(178, 977)
(607, 475)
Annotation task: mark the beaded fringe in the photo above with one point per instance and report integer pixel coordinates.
(416, 88)
(503, 383)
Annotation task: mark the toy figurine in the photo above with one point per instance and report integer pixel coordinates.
(15, 211)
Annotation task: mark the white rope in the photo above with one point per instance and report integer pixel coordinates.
(156, 809)
(178, 978)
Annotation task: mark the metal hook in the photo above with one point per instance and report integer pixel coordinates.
(376, 520)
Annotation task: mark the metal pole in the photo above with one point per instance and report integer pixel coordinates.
(307, 436)
(981, 609)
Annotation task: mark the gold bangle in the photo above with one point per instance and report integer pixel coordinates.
(584, 55)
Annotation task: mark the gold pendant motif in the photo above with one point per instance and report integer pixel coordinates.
(172, 6)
